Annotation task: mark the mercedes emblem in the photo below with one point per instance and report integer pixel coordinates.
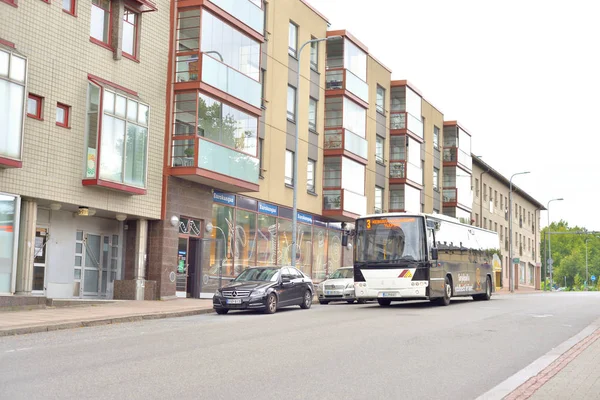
(234, 293)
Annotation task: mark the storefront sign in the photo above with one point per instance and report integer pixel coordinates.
(224, 198)
(246, 203)
(285, 212)
(307, 219)
(320, 223)
(267, 208)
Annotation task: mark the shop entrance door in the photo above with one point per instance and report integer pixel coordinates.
(96, 265)
(39, 263)
(90, 278)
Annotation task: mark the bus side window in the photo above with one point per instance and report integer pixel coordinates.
(430, 242)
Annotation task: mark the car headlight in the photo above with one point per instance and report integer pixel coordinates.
(350, 286)
(259, 292)
(217, 293)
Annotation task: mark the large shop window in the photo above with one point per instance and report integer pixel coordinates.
(9, 224)
(13, 73)
(243, 238)
(116, 137)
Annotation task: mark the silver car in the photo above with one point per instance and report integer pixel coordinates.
(338, 287)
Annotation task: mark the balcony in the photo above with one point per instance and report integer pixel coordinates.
(220, 76)
(454, 156)
(244, 10)
(406, 121)
(401, 170)
(343, 79)
(343, 204)
(344, 139)
(450, 195)
(209, 163)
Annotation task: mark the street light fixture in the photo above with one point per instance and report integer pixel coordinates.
(511, 283)
(295, 173)
(549, 242)
(586, 264)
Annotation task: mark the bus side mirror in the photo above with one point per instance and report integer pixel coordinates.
(434, 253)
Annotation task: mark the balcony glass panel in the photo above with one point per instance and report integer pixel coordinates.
(449, 195)
(333, 139)
(231, 81)
(353, 175)
(246, 11)
(214, 157)
(414, 173)
(355, 144)
(355, 203)
(334, 80)
(415, 125)
(332, 199)
(398, 121)
(355, 117)
(357, 86)
(412, 199)
(397, 170)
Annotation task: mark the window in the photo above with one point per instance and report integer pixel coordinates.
(436, 179)
(293, 39)
(501, 202)
(484, 192)
(380, 99)
(484, 223)
(379, 146)
(130, 32)
(436, 140)
(310, 176)
(291, 103)
(123, 141)
(495, 198)
(312, 114)
(69, 6)
(476, 219)
(378, 199)
(314, 55)
(396, 199)
(476, 187)
(34, 106)
(62, 115)
(289, 167)
(13, 73)
(100, 21)
(261, 167)
(496, 226)
(263, 88)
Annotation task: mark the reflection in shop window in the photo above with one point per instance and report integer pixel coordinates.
(284, 248)
(266, 240)
(220, 251)
(304, 253)
(319, 256)
(334, 252)
(245, 239)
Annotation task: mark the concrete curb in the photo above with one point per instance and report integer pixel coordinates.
(100, 321)
(513, 382)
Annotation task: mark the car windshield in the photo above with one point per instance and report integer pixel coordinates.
(343, 274)
(258, 274)
(389, 239)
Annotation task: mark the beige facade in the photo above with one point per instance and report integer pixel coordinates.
(433, 124)
(490, 211)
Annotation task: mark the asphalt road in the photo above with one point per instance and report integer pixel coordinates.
(407, 351)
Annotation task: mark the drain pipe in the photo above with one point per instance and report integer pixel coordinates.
(141, 242)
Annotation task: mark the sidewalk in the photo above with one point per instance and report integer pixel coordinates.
(43, 320)
(520, 290)
(574, 375)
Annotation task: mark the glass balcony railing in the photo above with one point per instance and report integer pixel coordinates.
(398, 121)
(414, 173)
(415, 125)
(355, 144)
(344, 200)
(338, 139)
(357, 86)
(338, 79)
(226, 161)
(397, 169)
(449, 195)
(231, 81)
(216, 158)
(246, 11)
(453, 154)
(404, 120)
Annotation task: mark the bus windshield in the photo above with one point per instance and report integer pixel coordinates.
(389, 239)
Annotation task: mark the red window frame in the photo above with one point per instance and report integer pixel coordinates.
(38, 108)
(107, 44)
(10, 2)
(136, 24)
(67, 113)
(72, 9)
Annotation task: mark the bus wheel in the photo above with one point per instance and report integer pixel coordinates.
(445, 301)
(488, 291)
(384, 302)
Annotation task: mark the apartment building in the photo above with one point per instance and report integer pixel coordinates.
(82, 87)
(490, 211)
(457, 171)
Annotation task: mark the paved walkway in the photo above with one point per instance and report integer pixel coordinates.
(574, 375)
(42, 320)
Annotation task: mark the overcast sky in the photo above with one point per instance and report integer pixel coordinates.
(522, 76)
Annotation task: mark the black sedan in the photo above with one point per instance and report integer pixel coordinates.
(265, 288)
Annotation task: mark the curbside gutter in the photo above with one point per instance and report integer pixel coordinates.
(100, 321)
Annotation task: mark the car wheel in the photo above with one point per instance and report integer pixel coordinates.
(306, 300)
(445, 301)
(384, 302)
(323, 302)
(221, 311)
(271, 304)
(362, 301)
(350, 301)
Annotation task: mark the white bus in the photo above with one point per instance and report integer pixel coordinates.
(402, 256)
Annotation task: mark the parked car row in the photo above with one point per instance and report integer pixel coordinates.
(271, 288)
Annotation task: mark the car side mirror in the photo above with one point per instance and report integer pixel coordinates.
(434, 253)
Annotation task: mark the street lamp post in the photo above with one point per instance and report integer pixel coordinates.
(511, 283)
(549, 241)
(295, 173)
(586, 264)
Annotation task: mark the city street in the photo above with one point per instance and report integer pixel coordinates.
(409, 350)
